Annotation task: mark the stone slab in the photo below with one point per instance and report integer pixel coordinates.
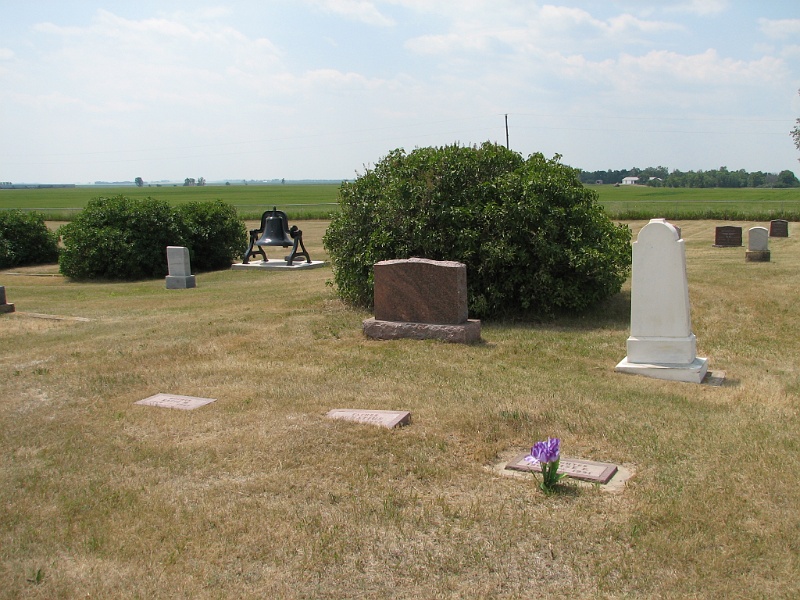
(175, 401)
(757, 256)
(177, 282)
(714, 379)
(728, 236)
(383, 418)
(758, 239)
(779, 228)
(178, 261)
(585, 470)
(278, 265)
(420, 290)
(690, 373)
(7, 308)
(465, 333)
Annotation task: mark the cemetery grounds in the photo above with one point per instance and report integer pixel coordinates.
(259, 495)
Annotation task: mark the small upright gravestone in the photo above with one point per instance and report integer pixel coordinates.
(661, 344)
(180, 271)
(5, 307)
(757, 245)
(420, 299)
(779, 228)
(728, 236)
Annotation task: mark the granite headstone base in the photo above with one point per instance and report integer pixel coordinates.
(756, 256)
(693, 372)
(468, 332)
(181, 282)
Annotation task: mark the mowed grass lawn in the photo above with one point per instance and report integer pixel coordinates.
(259, 495)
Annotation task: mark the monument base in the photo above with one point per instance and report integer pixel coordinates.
(693, 372)
(6, 308)
(463, 333)
(177, 282)
(756, 256)
(277, 265)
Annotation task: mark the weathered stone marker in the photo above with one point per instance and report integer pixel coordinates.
(175, 401)
(383, 418)
(661, 344)
(180, 271)
(757, 245)
(585, 470)
(727, 236)
(419, 298)
(5, 307)
(779, 228)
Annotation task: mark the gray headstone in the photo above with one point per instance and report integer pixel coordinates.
(757, 245)
(5, 307)
(180, 271)
(175, 401)
(382, 418)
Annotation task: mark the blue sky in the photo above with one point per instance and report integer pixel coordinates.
(319, 89)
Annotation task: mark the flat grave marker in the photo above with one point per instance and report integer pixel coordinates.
(175, 401)
(383, 418)
(585, 470)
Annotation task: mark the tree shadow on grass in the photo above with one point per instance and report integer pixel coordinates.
(613, 313)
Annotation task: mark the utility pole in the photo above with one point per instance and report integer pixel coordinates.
(507, 146)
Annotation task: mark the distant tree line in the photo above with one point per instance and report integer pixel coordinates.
(714, 178)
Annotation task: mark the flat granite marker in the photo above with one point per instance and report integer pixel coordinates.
(180, 272)
(779, 228)
(727, 236)
(661, 344)
(757, 245)
(585, 470)
(418, 298)
(175, 401)
(384, 418)
(5, 307)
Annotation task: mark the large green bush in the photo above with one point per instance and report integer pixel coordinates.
(121, 238)
(216, 234)
(25, 239)
(535, 241)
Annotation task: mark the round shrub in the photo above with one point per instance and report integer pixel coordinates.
(25, 239)
(216, 234)
(121, 238)
(534, 239)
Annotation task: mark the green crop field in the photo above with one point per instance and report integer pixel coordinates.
(297, 200)
(308, 201)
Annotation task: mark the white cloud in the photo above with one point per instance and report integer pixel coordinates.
(356, 10)
(701, 8)
(6, 54)
(780, 28)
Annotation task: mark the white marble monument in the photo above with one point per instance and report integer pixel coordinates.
(180, 271)
(757, 245)
(661, 344)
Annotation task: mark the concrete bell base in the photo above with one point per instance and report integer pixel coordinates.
(176, 282)
(277, 265)
(463, 333)
(693, 372)
(756, 256)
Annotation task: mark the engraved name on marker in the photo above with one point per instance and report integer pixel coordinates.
(585, 470)
(383, 418)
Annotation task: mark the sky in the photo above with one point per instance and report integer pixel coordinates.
(95, 90)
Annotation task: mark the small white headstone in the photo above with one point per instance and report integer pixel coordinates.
(661, 343)
(180, 270)
(175, 401)
(383, 418)
(757, 245)
(758, 239)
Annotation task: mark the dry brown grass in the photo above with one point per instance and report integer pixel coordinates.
(259, 495)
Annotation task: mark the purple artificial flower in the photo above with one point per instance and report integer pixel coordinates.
(546, 452)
